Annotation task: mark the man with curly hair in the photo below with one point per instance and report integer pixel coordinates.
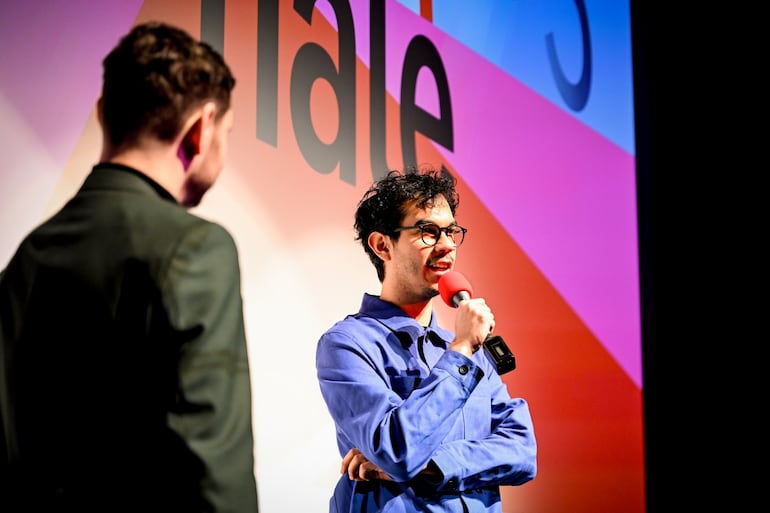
(423, 420)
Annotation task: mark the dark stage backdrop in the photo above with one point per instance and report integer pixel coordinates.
(529, 103)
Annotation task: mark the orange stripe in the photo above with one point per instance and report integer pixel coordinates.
(426, 9)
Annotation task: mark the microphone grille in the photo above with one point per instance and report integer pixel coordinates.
(450, 284)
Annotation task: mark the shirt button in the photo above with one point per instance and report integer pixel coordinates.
(463, 369)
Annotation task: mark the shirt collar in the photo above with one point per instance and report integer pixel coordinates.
(398, 321)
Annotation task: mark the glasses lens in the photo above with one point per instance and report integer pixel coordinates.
(457, 234)
(430, 234)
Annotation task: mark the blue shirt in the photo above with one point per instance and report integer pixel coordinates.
(397, 394)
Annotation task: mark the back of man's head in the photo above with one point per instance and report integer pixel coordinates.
(153, 78)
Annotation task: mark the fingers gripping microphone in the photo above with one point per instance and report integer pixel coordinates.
(454, 288)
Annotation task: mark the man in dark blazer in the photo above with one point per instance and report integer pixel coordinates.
(124, 377)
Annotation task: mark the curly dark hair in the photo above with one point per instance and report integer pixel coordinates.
(383, 207)
(154, 77)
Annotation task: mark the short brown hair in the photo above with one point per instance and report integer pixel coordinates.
(154, 77)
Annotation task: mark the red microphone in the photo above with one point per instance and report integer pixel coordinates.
(455, 288)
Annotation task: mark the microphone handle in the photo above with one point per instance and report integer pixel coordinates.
(459, 297)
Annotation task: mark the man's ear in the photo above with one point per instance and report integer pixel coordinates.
(197, 134)
(380, 244)
(190, 146)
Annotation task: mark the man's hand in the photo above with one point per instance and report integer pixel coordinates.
(474, 321)
(359, 468)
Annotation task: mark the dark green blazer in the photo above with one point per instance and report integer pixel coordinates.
(124, 377)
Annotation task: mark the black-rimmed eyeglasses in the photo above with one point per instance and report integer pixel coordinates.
(431, 233)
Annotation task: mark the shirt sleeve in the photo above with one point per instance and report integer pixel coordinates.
(506, 456)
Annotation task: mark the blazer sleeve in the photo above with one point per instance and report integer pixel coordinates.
(202, 293)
